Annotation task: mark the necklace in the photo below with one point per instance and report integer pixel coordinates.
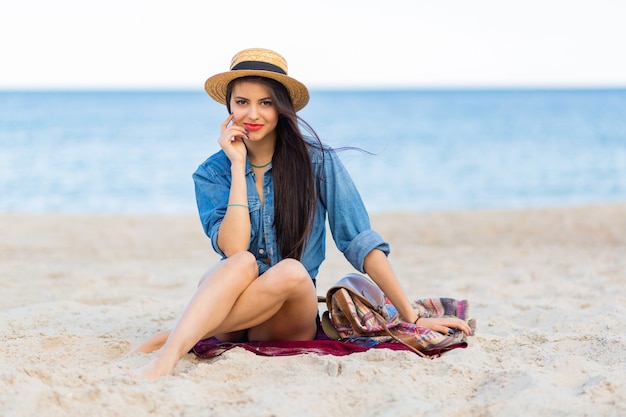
(260, 166)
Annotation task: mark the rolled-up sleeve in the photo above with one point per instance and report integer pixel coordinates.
(347, 216)
(363, 244)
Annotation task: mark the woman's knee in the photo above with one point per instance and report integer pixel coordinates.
(294, 275)
(242, 264)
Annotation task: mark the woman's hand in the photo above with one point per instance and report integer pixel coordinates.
(444, 324)
(231, 141)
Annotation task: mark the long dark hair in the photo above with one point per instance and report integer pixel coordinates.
(294, 183)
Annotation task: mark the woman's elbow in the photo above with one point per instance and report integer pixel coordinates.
(230, 247)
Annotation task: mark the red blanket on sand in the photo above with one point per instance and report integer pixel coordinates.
(321, 345)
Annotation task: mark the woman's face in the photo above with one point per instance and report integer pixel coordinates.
(253, 108)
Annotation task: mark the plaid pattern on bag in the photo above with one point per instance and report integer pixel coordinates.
(359, 312)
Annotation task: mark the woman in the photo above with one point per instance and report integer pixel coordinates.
(263, 201)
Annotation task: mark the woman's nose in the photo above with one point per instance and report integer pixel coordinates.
(253, 112)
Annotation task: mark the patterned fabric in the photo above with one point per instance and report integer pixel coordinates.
(358, 320)
(322, 345)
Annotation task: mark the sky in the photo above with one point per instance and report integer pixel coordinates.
(329, 44)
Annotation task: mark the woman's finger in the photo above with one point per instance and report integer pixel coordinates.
(226, 122)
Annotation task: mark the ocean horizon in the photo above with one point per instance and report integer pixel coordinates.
(422, 150)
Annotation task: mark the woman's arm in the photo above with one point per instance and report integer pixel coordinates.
(377, 266)
(234, 232)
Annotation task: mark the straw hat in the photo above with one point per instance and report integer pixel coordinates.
(257, 62)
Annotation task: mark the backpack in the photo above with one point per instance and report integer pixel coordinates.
(359, 312)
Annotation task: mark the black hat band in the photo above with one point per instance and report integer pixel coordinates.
(258, 66)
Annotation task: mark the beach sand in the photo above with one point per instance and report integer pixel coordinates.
(547, 288)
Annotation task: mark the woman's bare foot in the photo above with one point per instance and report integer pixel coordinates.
(160, 366)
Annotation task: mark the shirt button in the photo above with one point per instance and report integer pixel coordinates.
(261, 251)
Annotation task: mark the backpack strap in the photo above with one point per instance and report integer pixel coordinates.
(366, 291)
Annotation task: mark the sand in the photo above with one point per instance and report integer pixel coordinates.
(546, 286)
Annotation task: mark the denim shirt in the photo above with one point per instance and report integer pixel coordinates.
(338, 199)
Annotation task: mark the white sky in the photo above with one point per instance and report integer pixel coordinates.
(327, 43)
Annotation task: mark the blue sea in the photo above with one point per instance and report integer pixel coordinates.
(135, 151)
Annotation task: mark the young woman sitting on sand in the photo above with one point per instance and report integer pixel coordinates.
(263, 200)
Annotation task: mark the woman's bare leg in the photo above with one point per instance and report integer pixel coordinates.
(152, 343)
(230, 299)
(280, 305)
(156, 341)
(213, 300)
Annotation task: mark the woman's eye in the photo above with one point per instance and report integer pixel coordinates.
(266, 103)
(240, 102)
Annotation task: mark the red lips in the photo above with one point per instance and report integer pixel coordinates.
(252, 126)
